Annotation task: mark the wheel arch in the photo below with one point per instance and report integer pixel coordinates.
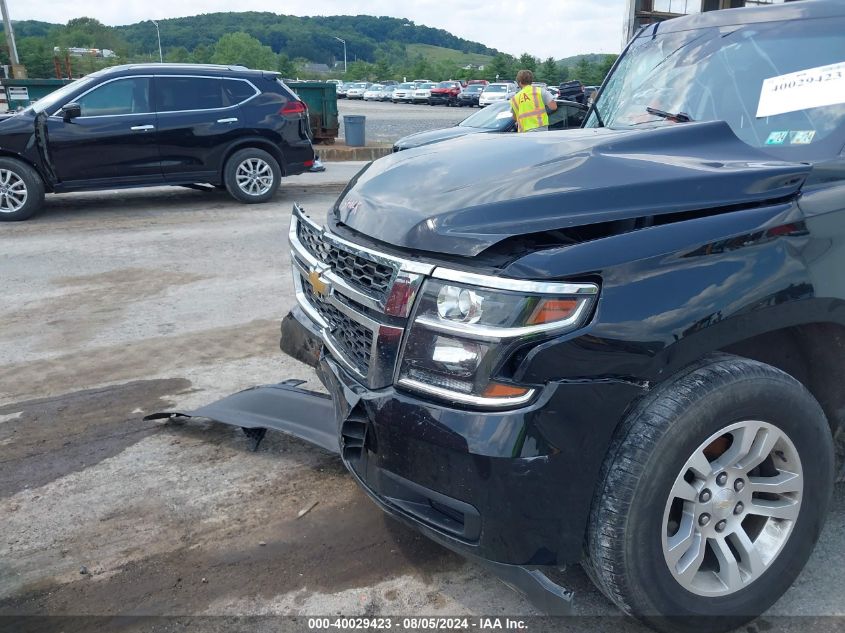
(5, 153)
(257, 143)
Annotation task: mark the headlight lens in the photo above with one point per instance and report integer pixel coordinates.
(461, 333)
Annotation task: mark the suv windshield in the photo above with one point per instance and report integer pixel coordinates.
(718, 74)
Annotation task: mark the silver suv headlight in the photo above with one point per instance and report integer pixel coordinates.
(465, 326)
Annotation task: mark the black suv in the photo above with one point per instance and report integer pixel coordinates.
(155, 124)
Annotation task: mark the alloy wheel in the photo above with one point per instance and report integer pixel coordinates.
(732, 508)
(13, 191)
(254, 177)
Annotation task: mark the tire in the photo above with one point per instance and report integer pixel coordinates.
(21, 190)
(701, 414)
(253, 189)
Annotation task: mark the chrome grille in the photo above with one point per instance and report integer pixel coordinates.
(367, 275)
(358, 298)
(353, 339)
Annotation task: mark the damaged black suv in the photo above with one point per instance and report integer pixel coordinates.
(621, 345)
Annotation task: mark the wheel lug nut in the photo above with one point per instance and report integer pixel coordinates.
(722, 479)
(721, 525)
(739, 484)
(705, 496)
(739, 508)
(704, 519)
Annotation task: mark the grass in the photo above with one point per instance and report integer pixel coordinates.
(439, 54)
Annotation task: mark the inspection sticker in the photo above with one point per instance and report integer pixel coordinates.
(777, 138)
(812, 88)
(804, 137)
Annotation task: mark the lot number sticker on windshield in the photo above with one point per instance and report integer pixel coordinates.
(812, 88)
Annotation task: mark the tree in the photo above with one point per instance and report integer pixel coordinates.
(178, 55)
(527, 62)
(583, 71)
(549, 72)
(287, 67)
(201, 54)
(245, 50)
(501, 67)
(37, 55)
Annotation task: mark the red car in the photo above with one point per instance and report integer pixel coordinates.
(445, 92)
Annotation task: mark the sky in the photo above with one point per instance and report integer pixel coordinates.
(558, 29)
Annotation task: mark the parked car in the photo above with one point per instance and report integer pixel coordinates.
(388, 82)
(376, 92)
(492, 93)
(423, 92)
(357, 90)
(421, 81)
(477, 82)
(620, 346)
(446, 92)
(342, 88)
(495, 118)
(150, 125)
(469, 95)
(404, 93)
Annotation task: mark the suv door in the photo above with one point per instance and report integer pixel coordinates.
(114, 140)
(198, 119)
(567, 115)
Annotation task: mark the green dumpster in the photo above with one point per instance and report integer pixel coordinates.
(20, 93)
(321, 99)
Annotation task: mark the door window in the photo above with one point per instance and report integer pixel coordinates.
(178, 94)
(237, 91)
(122, 96)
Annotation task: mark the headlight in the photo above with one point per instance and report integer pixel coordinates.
(463, 331)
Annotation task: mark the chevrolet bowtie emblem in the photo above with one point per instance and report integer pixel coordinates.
(321, 288)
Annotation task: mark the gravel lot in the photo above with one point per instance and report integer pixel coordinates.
(388, 122)
(119, 304)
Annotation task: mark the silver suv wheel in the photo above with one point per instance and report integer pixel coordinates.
(732, 508)
(254, 177)
(13, 192)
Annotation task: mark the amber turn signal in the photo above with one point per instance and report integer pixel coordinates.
(498, 390)
(551, 310)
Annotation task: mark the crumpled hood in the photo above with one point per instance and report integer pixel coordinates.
(435, 136)
(466, 195)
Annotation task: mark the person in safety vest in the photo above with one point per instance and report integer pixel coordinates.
(532, 104)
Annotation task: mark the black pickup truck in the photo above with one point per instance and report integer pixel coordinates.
(621, 346)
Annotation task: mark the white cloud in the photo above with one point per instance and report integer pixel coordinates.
(552, 29)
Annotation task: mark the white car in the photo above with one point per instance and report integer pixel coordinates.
(357, 90)
(375, 93)
(423, 92)
(403, 92)
(496, 92)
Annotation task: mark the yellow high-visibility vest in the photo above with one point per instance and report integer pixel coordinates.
(529, 109)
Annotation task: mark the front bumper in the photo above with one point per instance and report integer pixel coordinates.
(511, 487)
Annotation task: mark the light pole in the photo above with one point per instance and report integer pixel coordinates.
(344, 53)
(10, 35)
(158, 35)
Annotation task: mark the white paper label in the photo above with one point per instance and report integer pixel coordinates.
(813, 88)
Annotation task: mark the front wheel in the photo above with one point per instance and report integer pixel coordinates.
(21, 190)
(252, 175)
(711, 497)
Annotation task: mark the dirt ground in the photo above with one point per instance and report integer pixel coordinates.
(119, 304)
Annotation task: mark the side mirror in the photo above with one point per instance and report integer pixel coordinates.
(71, 111)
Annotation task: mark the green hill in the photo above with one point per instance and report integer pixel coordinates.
(441, 54)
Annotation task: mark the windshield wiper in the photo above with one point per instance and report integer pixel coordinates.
(680, 117)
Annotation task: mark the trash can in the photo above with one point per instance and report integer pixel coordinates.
(354, 129)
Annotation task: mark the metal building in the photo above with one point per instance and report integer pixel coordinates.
(641, 12)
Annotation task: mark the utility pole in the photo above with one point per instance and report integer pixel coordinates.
(344, 53)
(10, 35)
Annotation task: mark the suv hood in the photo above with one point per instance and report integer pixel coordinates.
(463, 197)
